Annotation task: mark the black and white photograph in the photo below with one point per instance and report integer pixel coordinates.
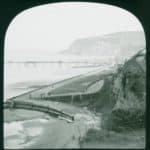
(74, 77)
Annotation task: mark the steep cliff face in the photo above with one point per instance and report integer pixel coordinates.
(128, 94)
(121, 102)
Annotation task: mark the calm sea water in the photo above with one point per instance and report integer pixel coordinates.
(20, 77)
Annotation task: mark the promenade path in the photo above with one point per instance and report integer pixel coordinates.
(88, 83)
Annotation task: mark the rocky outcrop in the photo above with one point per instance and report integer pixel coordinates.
(122, 98)
(121, 102)
(128, 93)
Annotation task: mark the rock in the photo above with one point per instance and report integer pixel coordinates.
(128, 90)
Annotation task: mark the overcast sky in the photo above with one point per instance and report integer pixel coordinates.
(47, 29)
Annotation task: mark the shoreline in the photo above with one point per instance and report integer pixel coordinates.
(49, 127)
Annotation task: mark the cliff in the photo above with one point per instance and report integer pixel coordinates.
(122, 97)
(122, 44)
(128, 94)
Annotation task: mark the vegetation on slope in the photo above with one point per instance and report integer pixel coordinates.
(122, 97)
(122, 104)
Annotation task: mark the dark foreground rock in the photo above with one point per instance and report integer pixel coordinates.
(110, 139)
(128, 92)
(122, 104)
(121, 100)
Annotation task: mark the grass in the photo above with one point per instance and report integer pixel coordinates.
(77, 85)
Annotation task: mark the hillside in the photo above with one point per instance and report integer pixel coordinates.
(121, 101)
(129, 87)
(121, 44)
(122, 97)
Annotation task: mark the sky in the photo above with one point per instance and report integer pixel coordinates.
(48, 29)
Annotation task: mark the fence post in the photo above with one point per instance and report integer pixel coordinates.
(12, 104)
(72, 99)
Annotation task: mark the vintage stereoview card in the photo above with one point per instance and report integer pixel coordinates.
(74, 77)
